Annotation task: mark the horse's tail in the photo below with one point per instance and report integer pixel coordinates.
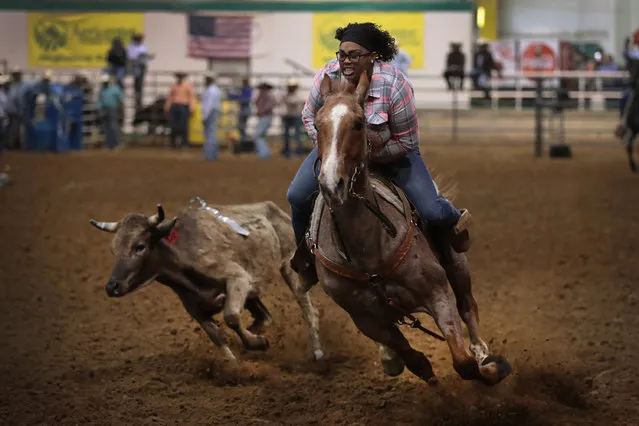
(446, 188)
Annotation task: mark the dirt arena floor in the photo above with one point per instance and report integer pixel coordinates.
(555, 275)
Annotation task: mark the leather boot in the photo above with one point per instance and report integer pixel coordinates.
(459, 236)
(303, 262)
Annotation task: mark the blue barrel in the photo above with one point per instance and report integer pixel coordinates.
(73, 105)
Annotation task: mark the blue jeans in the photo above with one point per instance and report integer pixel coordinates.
(408, 172)
(179, 114)
(261, 146)
(210, 136)
(118, 72)
(242, 120)
(110, 127)
(294, 123)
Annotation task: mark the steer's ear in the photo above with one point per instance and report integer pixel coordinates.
(163, 229)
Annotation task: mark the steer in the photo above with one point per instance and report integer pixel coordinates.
(211, 267)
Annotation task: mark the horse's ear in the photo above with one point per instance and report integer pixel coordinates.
(325, 87)
(361, 92)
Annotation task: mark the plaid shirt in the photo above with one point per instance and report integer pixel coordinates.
(391, 119)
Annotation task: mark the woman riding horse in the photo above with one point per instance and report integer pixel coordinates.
(392, 132)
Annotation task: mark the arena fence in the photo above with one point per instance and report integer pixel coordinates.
(589, 105)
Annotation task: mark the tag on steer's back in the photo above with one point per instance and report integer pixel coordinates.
(230, 222)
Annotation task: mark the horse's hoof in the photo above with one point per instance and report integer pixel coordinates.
(433, 381)
(259, 344)
(494, 369)
(393, 367)
(256, 328)
(318, 355)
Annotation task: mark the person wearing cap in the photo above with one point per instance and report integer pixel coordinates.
(243, 96)
(14, 109)
(110, 99)
(73, 104)
(138, 56)
(179, 107)
(265, 104)
(392, 132)
(292, 120)
(483, 66)
(455, 64)
(29, 95)
(117, 61)
(211, 110)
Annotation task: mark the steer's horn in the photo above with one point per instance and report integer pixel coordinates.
(157, 218)
(105, 226)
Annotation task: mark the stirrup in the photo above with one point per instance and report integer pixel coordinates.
(459, 238)
(303, 263)
(463, 222)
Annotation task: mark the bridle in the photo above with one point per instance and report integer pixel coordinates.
(373, 207)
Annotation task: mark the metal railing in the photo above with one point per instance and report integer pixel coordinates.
(592, 97)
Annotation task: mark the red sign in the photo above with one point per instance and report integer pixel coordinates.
(538, 57)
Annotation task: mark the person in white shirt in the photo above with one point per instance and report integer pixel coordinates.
(402, 60)
(211, 110)
(138, 56)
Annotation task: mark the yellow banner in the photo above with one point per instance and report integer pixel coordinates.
(77, 40)
(225, 124)
(407, 28)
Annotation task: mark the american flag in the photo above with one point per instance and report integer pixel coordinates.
(220, 37)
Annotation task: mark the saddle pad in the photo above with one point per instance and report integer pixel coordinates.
(384, 191)
(316, 218)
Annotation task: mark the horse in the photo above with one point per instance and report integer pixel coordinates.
(628, 128)
(376, 258)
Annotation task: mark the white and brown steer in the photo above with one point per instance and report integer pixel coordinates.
(211, 267)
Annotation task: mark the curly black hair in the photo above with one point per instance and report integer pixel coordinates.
(381, 41)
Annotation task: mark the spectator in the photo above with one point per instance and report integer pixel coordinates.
(73, 101)
(4, 116)
(4, 123)
(109, 100)
(265, 105)
(179, 107)
(483, 66)
(116, 61)
(211, 110)
(28, 96)
(138, 56)
(243, 97)
(14, 109)
(292, 120)
(608, 64)
(455, 65)
(402, 60)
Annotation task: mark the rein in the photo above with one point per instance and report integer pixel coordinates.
(373, 208)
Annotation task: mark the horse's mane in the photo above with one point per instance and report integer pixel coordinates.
(342, 88)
